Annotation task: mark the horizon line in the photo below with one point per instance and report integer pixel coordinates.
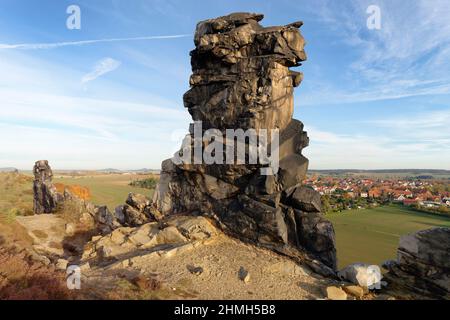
(153, 169)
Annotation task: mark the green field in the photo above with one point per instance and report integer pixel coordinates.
(111, 189)
(372, 235)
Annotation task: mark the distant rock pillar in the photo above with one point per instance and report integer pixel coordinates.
(45, 195)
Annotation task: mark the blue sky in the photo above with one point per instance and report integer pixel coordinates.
(370, 98)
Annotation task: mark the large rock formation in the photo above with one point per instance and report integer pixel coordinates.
(45, 194)
(241, 80)
(423, 263)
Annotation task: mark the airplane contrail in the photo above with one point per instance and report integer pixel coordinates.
(30, 46)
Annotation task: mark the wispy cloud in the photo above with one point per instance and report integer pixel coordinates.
(77, 129)
(416, 140)
(102, 67)
(407, 57)
(422, 121)
(35, 46)
(330, 150)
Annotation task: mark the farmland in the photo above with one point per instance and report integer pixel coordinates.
(372, 235)
(107, 189)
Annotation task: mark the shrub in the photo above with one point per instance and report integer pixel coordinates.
(149, 183)
(79, 191)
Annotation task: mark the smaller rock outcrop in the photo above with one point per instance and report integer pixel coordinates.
(89, 216)
(45, 194)
(137, 211)
(73, 201)
(423, 263)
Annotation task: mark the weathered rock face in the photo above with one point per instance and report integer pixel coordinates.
(137, 211)
(45, 194)
(137, 246)
(241, 80)
(423, 263)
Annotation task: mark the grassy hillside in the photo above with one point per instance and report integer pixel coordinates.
(22, 276)
(16, 198)
(110, 189)
(372, 235)
(16, 193)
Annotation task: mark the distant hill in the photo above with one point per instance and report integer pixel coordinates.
(145, 170)
(9, 169)
(411, 173)
(417, 171)
(142, 171)
(105, 171)
(109, 170)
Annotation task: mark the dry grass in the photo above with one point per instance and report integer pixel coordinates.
(21, 278)
(70, 212)
(138, 288)
(16, 195)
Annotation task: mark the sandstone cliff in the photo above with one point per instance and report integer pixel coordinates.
(241, 80)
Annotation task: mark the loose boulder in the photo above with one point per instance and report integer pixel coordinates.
(336, 293)
(363, 275)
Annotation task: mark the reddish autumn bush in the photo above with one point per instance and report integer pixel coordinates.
(79, 191)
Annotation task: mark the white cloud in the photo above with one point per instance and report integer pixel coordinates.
(423, 121)
(36, 46)
(408, 57)
(330, 150)
(420, 140)
(102, 67)
(56, 120)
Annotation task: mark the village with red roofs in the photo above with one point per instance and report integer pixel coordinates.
(344, 193)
